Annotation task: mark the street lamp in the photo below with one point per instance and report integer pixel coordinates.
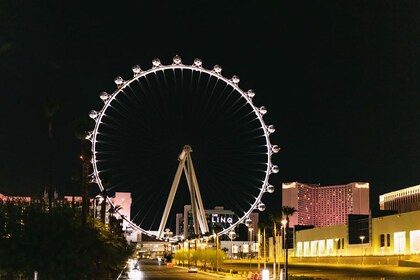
(250, 229)
(337, 240)
(362, 237)
(284, 224)
(232, 235)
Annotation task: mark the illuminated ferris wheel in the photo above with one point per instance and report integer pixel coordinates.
(148, 129)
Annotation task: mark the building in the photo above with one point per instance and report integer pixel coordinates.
(390, 235)
(15, 199)
(322, 206)
(402, 201)
(123, 200)
(217, 216)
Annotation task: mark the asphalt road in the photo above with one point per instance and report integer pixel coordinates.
(152, 270)
(340, 272)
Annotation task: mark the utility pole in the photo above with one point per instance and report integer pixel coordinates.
(217, 253)
(274, 250)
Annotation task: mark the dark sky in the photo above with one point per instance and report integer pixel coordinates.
(340, 79)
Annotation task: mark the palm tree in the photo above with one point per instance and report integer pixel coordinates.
(50, 109)
(287, 211)
(264, 226)
(275, 219)
(114, 223)
(82, 126)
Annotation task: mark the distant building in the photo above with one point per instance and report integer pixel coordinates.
(325, 205)
(216, 216)
(123, 200)
(24, 199)
(404, 200)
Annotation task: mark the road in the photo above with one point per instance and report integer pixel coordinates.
(341, 272)
(152, 270)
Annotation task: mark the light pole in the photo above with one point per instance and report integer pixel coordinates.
(362, 237)
(336, 247)
(232, 235)
(274, 249)
(217, 253)
(264, 248)
(258, 249)
(250, 229)
(284, 223)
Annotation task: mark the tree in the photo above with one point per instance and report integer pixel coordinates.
(27, 232)
(275, 219)
(50, 109)
(287, 211)
(264, 226)
(115, 225)
(82, 126)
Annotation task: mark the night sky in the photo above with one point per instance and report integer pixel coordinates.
(340, 79)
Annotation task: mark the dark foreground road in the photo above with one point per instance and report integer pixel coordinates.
(152, 270)
(341, 272)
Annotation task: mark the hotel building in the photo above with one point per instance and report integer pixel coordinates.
(322, 206)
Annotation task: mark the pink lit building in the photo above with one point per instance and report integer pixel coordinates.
(24, 199)
(322, 206)
(123, 199)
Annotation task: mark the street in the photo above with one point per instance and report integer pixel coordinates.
(151, 269)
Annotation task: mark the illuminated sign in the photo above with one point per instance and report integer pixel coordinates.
(221, 219)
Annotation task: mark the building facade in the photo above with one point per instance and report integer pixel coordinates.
(397, 234)
(217, 216)
(402, 201)
(322, 206)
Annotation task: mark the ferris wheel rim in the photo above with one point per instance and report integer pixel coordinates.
(216, 73)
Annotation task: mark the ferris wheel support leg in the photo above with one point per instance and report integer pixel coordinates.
(171, 197)
(202, 217)
(190, 182)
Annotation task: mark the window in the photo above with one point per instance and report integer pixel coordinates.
(388, 240)
(382, 240)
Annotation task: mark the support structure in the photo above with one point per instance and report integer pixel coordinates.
(199, 217)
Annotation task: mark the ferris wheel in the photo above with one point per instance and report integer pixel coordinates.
(155, 122)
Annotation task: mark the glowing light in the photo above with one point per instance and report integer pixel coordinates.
(177, 60)
(235, 79)
(136, 69)
(275, 169)
(270, 188)
(104, 96)
(265, 274)
(250, 93)
(275, 149)
(248, 222)
(198, 62)
(93, 114)
(261, 207)
(89, 136)
(271, 128)
(217, 68)
(263, 110)
(156, 62)
(118, 81)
